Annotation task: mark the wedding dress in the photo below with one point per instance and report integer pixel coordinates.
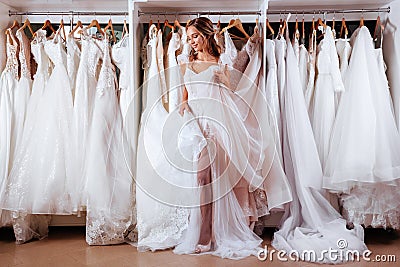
(39, 182)
(172, 73)
(22, 93)
(107, 192)
(303, 66)
(309, 93)
(365, 143)
(8, 82)
(85, 90)
(376, 202)
(73, 59)
(309, 223)
(162, 188)
(328, 83)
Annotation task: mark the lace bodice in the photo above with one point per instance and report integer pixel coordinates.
(120, 52)
(40, 56)
(107, 78)
(24, 54)
(343, 49)
(91, 53)
(56, 51)
(270, 50)
(12, 49)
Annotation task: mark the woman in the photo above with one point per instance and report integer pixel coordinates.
(239, 154)
(200, 172)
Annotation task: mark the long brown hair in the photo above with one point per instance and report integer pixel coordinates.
(205, 27)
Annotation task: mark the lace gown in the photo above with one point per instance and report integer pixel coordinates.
(328, 83)
(22, 93)
(375, 204)
(8, 82)
(73, 59)
(160, 186)
(108, 181)
(173, 76)
(85, 90)
(39, 182)
(309, 223)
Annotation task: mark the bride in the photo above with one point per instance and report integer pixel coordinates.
(194, 182)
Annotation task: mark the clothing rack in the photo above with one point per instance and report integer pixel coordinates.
(66, 13)
(201, 13)
(329, 11)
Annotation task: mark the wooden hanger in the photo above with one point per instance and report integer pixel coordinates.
(167, 25)
(110, 26)
(27, 23)
(47, 25)
(343, 28)
(177, 24)
(362, 21)
(96, 24)
(303, 30)
(378, 27)
(62, 29)
(238, 24)
(270, 28)
(158, 25)
(125, 29)
(14, 25)
(77, 26)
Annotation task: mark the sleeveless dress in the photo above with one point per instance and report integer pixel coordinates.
(108, 179)
(8, 82)
(22, 93)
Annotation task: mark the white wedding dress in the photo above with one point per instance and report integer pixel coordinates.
(22, 93)
(73, 59)
(309, 223)
(85, 90)
(328, 83)
(8, 82)
(107, 192)
(172, 73)
(375, 201)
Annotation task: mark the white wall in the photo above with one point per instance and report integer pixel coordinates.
(5, 22)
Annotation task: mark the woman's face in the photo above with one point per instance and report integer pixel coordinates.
(195, 39)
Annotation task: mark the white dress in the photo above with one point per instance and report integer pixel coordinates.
(172, 73)
(158, 183)
(22, 93)
(391, 54)
(39, 182)
(309, 223)
(8, 81)
(108, 179)
(365, 143)
(85, 90)
(73, 59)
(303, 66)
(328, 82)
(309, 93)
(375, 204)
(272, 94)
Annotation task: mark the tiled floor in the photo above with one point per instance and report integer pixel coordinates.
(66, 246)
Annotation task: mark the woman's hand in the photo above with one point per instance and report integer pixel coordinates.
(184, 106)
(223, 77)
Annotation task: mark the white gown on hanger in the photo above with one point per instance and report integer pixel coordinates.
(73, 59)
(303, 66)
(22, 93)
(374, 204)
(391, 54)
(8, 82)
(309, 223)
(172, 73)
(365, 143)
(40, 180)
(328, 83)
(160, 187)
(272, 94)
(108, 182)
(85, 90)
(309, 93)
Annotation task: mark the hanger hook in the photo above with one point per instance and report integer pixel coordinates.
(303, 14)
(334, 12)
